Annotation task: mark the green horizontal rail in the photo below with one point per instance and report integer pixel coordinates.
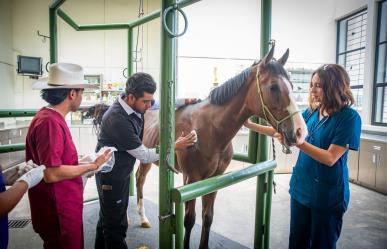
(109, 26)
(14, 113)
(56, 4)
(194, 190)
(88, 27)
(145, 19)
(241, 157)
(6, 148)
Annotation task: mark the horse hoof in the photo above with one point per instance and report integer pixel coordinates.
(146, 225)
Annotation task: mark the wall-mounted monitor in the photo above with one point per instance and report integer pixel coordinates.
(28, 65)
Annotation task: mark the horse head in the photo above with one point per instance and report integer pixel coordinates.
(272, 98)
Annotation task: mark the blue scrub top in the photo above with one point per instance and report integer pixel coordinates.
(3, 220)
(314, 184)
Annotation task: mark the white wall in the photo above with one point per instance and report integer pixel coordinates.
(226, 30)
(230, 29)
(7, 65)
(99, 52)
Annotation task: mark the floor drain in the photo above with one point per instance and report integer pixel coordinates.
(20, 223)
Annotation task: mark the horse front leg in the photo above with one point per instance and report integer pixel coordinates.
(141, 173)
(207, 217)
(189, 221)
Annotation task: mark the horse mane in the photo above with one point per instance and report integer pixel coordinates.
(224, 92)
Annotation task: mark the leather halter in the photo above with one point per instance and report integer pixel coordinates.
(266, 109)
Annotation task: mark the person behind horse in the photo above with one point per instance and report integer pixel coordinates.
(319, 187)
(122, 127)
(57, 202)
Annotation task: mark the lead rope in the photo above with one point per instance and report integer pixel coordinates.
(274, 156)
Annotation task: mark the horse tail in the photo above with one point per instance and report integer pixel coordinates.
(99, 111)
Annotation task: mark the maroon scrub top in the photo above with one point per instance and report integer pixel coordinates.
(56, 208)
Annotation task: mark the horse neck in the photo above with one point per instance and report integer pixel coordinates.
(231, 116)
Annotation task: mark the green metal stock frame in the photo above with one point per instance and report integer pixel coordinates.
(6, 148)
(263, 170)
(171, 222)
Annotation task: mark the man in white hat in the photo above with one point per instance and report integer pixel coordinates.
(57, 202)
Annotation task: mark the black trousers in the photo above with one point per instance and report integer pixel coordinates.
(112, 225)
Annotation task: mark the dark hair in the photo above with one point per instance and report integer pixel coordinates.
(336, 89)
(139, 83)
(55, 96)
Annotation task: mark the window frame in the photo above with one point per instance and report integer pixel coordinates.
(376, 85)
(338, 53)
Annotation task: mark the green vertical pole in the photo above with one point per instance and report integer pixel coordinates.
(263, 154)
(266, 239)
(167, 129)
(53, 36)
(52, 11)
(132, 186)
(260, 210)
(130, 52)
(179, 225)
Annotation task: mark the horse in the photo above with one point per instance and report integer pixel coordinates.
(263, 90)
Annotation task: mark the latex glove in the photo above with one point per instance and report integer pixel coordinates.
(26, 167)
(107, 166)
(33, 177)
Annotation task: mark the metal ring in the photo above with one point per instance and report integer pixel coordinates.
(123, 72)
(47, 67)
(174, 7)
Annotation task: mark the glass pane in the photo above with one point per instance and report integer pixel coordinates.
(342, 35)
(300, 78)
(342, 59)
(355, 67)
(383, 19)
(381, 70)
(381, 105)
(356, 31)
(358, 96)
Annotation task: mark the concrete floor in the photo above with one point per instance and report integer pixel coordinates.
(365, 223)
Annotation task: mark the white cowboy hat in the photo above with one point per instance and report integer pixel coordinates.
(63, 76)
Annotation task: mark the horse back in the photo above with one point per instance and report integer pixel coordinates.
(202, 160)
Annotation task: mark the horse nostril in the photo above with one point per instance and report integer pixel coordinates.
(299, 132)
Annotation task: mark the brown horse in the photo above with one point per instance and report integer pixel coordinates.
(263, 90)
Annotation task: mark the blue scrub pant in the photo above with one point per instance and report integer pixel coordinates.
(312, 228)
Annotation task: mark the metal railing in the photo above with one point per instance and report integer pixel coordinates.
(263, 170)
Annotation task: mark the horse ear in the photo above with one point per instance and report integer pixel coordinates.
(269, 56)
(284, 58)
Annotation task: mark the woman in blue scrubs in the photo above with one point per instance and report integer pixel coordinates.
(319, 186)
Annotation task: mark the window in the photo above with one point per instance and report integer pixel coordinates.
(380, 78)
(351, 33)
(300, 77)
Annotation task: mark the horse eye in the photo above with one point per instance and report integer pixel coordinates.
(274, 88)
